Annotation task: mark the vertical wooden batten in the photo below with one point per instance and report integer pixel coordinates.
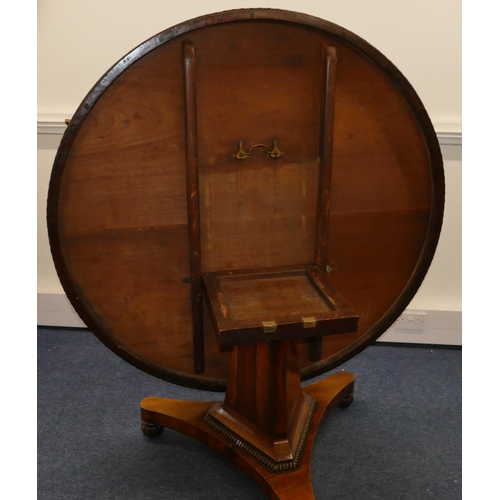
(193, 203)
(325, 173)
(325, 157)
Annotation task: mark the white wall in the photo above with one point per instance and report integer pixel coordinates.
(79, 41)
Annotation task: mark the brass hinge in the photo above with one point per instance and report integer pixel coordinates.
(309, 322)
(269, 326)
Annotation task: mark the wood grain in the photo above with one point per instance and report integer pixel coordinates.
(193, 203)
(117, 208)
(188, 417)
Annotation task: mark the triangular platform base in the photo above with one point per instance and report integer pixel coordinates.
(189, 417)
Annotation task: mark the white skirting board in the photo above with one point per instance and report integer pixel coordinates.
(441, 328)
(54, 309)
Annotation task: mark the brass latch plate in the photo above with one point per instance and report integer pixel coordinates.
(309, 322)
(269, 326)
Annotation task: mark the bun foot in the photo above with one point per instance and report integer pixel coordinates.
(151, 430)
(346, 402)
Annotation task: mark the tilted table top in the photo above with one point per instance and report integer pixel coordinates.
(119, 210)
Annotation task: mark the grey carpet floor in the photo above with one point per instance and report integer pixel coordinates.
(400, 439)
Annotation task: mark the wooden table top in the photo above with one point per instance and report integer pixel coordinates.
(118, 215)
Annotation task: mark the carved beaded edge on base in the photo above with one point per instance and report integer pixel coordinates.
(258, 455)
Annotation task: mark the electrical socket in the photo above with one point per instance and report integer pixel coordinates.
(411, 321)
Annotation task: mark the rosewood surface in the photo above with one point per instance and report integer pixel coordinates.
(124, 235)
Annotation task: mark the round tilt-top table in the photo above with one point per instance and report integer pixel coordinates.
(244, 201)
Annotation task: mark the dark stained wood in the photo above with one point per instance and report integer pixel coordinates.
(193, 203)
(117, 209)
(315, 346)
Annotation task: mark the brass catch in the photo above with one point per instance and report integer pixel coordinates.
(309, 322)
(269, 326)
(273, 153)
